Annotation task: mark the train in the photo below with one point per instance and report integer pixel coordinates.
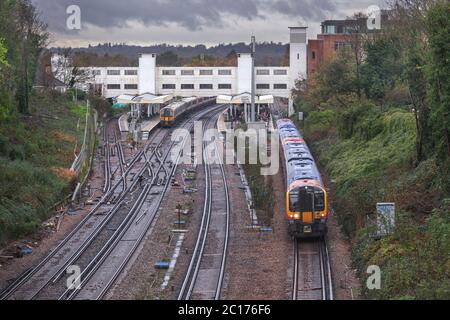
(306, 196)
(175, 111)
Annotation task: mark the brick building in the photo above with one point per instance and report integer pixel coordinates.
(335, 34)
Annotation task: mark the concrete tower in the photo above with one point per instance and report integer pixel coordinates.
(298, 54)
(147, 73)
(244, 73)
(297, 58)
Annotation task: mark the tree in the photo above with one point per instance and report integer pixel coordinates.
(357, 39)
(167, 58)
(5, 97)
(380, 69)
(69, 72)
(32, 38)
(438, 72)
(335, 81)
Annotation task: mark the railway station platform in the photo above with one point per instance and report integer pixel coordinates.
(148, 126)
(223, 126)
(123, 123)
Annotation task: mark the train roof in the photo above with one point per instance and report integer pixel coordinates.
(178, 103)
(300, 164)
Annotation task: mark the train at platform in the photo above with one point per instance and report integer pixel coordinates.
(175, 111)
(306, 197)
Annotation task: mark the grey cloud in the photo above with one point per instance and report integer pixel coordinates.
(191, 14)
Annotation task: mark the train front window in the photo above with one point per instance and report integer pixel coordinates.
(167, 113)
(305, 199)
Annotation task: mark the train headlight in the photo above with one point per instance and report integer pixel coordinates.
(297, 216)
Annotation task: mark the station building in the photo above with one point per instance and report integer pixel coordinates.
(112, 82)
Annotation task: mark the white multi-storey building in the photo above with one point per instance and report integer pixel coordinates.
(204, 81)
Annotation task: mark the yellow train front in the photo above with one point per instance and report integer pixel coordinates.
(306, 197)
(177, 110)
(306, 209)
(167, 118)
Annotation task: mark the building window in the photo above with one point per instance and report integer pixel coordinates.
(262, 86)
(96, 72)
(207, 72)
(187, 72)
(113, 72)
(206, 86)
(280, 72)
(224, 72)
(187, 86)
(131, 87)
(330, 29)
(131, 72)
(113, 86)
(314, 55)
(223, 86)
(340, 45)
(169, 86)
(280, 86)
(263, 72)
(167, 72)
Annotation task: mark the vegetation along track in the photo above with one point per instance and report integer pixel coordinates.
(103, 230)
(204, 277)
(312, 271)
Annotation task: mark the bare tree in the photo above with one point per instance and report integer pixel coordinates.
(65, 70)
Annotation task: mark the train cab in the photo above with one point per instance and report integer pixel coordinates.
(306, 204)
(167, 117)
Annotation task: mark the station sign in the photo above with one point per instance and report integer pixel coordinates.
(385, 218)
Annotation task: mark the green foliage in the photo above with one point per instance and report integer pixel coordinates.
(102, 106)
(393, 145)
(320, 123)
(3, 51)
(438, 72)
(24, 36)
(373, 144)
(30, 150)
(335, 83)
(414, 261)
(380, 69)
(168, 59)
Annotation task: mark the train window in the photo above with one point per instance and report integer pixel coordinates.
(319, 200)
(167, 113)
(303, 200)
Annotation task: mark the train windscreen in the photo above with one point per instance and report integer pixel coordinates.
(304, 199)
(167, 113)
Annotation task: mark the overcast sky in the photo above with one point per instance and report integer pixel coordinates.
(185, 22)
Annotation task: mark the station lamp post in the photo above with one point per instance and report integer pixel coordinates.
(253, 48)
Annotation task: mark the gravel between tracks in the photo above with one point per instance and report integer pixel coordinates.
(141, 280)
(257, 263)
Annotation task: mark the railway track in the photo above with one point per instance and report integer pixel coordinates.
(204, 277)
(110, 233)
(114, 159)
(312, 271)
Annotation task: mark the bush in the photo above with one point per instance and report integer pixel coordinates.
(414, 261)
(319, 123)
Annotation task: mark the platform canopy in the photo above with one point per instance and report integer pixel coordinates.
(146, 98)
(244, 98)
